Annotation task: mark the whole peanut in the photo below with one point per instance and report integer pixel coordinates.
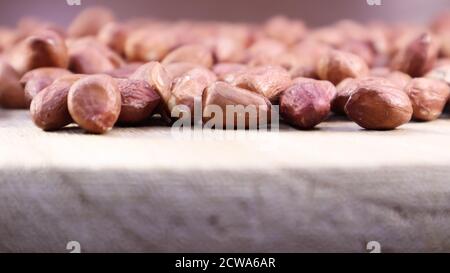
(196, 54)
(95, 103)
(38, 79)
(223, 69)
(124, 71)
(139, 100)
(230, 100)
(348, 86)
(276, 28)
(90, 22)
(398, 78)
(153, 44)
(114, 36)
(328, 88)
(417, 57)
(159, 79)
(190, 86)
(268, 81)
(344, 90)
(305, 104)
(12, 94)
(49, 110)
(43, 49)
(377, 106)
(428, 97)
(335, 66)
(176, 70)
(88, 56)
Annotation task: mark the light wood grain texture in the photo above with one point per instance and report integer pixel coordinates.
(148, 189)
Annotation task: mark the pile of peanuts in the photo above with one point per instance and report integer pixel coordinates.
(100, 72)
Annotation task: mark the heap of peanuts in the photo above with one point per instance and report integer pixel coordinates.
(99, 72)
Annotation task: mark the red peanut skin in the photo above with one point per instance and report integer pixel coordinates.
(379, 107)
(428, 97)
(304, 105)
(95, 103)
(139, 100)
(49, 110)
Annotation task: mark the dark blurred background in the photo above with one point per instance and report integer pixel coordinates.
(314, 12)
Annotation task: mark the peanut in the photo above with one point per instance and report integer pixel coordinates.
(305, 104)
(428, 97)
(12, 94)
(335, 66)
(226, 97)
(49, 110)
(95, 103)
(379, 107)
(44, 49)
(139, 100)
(38, 79)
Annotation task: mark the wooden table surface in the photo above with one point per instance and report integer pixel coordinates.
(152, 189)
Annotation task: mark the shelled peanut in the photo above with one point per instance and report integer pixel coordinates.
(101, 71)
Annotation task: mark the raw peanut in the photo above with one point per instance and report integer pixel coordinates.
(328, 88)
(307, 55)
(44, 49)
(38, 79)
(361, 49)
(348, 86)
(303, 71)
(147, 45)
(114, 36)
(49, 109)
(264, 49)
(190, 86)
(328, 36)
(139, 100)
(88, 56)
(440, 73)
(287, 60)
(400, 79)
(305, 104)
(379, 107)
(125, 71)
(95, 103)
(90, 21)
(268, 81)
(12, 94)
(336, 66)
(344, 90)
(196, 54)
(176, 70)
(220, 95)
(351, 31)
(417, 57)
(428, 97)
(229, 43)
(276, 28)
(159, 79)
(223, 69)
